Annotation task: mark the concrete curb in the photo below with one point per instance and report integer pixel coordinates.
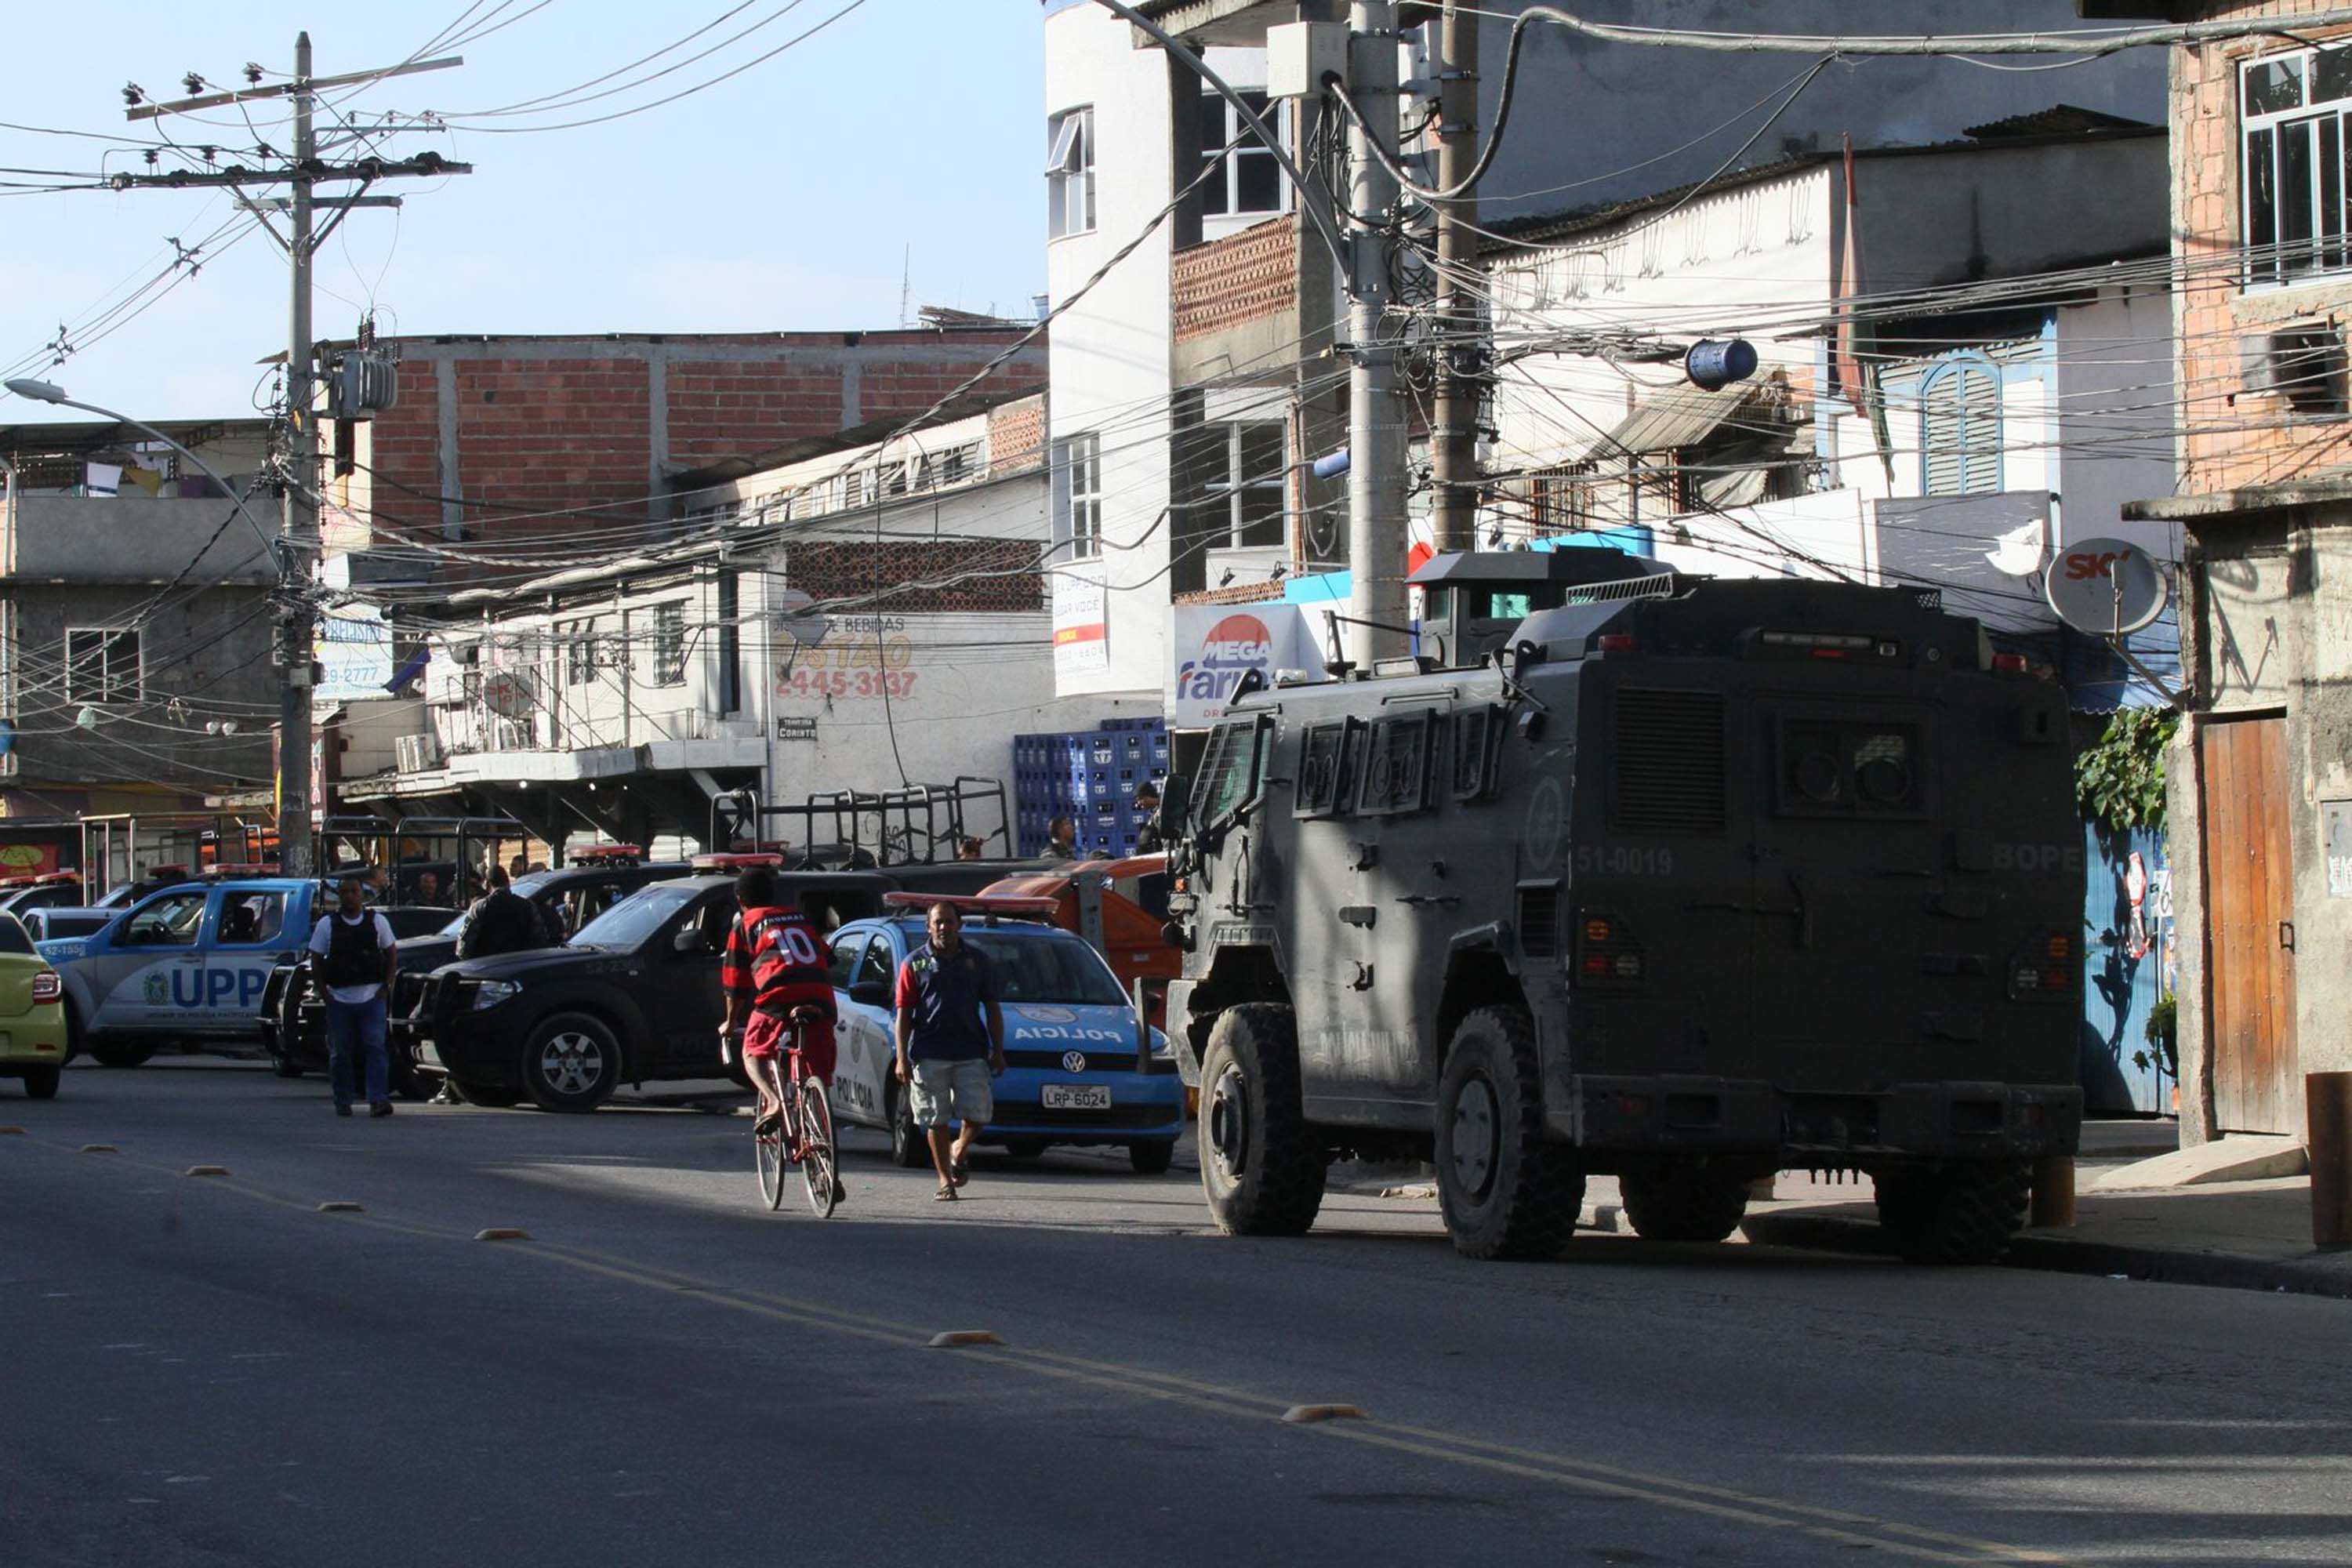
(1822, 1230)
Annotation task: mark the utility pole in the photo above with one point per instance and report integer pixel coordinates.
(1454, 441)
(299, 545)
(297, 540)
(1377, 535)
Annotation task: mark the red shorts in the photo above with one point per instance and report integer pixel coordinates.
(766, 1035)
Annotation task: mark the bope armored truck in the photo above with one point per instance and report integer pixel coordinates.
(1682, 881)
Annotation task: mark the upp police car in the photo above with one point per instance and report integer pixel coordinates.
(1078, 1069)
(185, 965)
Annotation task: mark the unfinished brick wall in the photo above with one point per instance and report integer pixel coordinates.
(1241, 277)
(2231, 438)
(828, 569)
(1016, 435)
(587, 428)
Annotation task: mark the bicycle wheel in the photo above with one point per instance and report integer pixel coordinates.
(818, 1174)
(768, 1148)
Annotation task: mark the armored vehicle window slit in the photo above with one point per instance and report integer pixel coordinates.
(1230, 771)
(1671, 774)
(1396, 766)
(1322, 758)
(1475, 734)
(1539, 919)
(1850, 767)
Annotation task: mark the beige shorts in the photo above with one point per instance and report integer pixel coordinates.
(943, 1092)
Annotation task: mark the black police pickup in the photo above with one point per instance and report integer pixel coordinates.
(294, 1019)
(633, 997)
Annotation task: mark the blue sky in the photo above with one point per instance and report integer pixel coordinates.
(783, 199)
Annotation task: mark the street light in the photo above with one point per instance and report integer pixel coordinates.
(50, 392)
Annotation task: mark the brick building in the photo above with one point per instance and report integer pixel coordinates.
(2261, 774)
(516, 438)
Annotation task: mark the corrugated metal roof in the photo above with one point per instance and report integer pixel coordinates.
(1679, 416)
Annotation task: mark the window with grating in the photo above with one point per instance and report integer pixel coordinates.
(1670, 762)
(1539, 919)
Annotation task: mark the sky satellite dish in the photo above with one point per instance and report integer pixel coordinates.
(2105, 587)
(794, 614)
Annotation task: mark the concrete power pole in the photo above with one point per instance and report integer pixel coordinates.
(1377, 535)
(297, 540)
(1453, 443)
(298, 545)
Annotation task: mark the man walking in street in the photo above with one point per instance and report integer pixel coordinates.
(353, 960)
(951, 1043)
(502, 921)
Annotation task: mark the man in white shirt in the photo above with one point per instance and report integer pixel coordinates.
(352, 962)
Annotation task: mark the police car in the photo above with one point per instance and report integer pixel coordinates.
(185, 965)
(189, 963)
(1072, 1071)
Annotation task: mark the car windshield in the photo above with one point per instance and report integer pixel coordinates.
(454, 927)
(1032, 966)
(530, 882)
(634, 918)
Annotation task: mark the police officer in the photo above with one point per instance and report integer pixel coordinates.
(352, 959)
(502, 921)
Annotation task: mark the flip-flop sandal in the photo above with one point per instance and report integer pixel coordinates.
(959, 1169)
(944, 1196)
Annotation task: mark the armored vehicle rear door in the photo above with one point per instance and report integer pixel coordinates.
(1845, 862)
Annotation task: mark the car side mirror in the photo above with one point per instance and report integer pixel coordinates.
(870, 994)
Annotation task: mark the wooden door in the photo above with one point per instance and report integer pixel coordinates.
(2257, 1084)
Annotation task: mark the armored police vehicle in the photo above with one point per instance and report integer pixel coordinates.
(1681, 880)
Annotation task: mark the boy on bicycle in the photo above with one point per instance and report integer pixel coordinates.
(775, 962)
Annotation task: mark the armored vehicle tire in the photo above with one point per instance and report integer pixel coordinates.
(120, 1053)
(908, 1149)
(571, 1062)
(1684, 1203)
(497, 1097)
(1960, 1214)
(1261, 1165)
(1151, 1159)
(41, 1083)
(1505, 1193)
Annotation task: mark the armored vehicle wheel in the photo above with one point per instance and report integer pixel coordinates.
(120, 1053)
(1504, 1191)
(1261, 1166)
(1960, 1214)
(1684, 1203)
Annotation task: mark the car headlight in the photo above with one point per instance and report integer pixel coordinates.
(490, 993)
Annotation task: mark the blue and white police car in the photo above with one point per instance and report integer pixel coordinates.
(186, 964)
(1073, 1072)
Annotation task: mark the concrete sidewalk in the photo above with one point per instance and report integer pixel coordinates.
(2247, 1235)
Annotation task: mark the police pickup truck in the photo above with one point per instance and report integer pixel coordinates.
(188, 965)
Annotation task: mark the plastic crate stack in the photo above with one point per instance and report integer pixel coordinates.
(1090, 775)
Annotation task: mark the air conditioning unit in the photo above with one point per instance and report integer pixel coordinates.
(2303, 363)
(415, 754)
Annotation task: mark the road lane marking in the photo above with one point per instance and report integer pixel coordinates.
(1307, 1415)
(1838, 1526)
(954, 1338)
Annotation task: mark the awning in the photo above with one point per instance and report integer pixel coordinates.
(1677, 417)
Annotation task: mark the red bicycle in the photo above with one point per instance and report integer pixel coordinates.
(803, 1134)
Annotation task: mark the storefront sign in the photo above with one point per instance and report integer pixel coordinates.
(1081, 621)
(796, 730)
(1213, 646)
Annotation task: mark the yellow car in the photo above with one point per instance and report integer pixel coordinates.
(32, 1014)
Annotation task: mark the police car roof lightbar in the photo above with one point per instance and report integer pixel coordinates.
(990, 904)
(736, 862)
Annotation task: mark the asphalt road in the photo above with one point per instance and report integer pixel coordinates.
(207, 1370)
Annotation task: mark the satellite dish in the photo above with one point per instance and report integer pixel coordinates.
(2105, 587)
(794, 614)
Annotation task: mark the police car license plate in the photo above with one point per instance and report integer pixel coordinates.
(1077, 1096)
